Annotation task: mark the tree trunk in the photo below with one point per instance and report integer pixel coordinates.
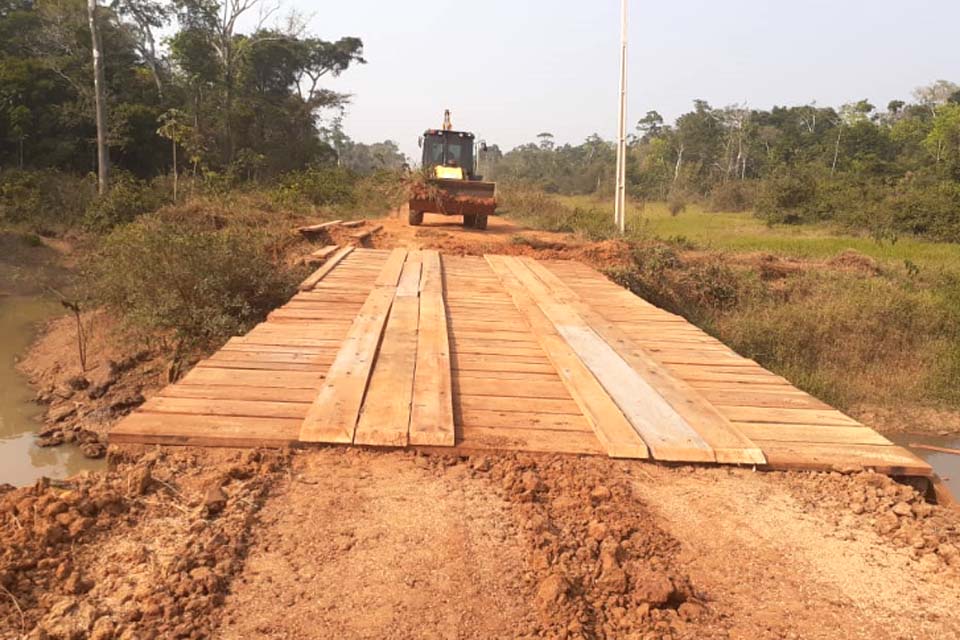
(836, 152)
(20, 154)
(100, 100)
(676, 170)
(174, 171)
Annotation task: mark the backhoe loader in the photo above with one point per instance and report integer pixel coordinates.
(452, 186)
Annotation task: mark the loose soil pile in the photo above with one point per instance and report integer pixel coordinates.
(146, 551)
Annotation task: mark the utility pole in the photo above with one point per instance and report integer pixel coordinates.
(620, 208)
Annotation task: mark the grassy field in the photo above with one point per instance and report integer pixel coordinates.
(743, 232)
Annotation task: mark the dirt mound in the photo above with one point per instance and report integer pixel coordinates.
(853, 260)
(898, 512)
(145, 551)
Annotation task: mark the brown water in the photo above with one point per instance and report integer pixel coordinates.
(947, 465)
(21, 461)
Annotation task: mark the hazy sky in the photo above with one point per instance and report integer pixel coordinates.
(511, 69)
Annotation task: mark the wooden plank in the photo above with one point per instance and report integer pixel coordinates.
(819, 434)
(363, 235)
(315, 228)
(254, 378)
(390, 273)
(238, 392)
(570, 442)
(220, 407)
(482, 386)
(324, 252)
(930, 447)
(328, 266)
(501, 403)
(409, 285)
(258, 355)
(884, 459)
(385, 417)
(353, 223)
(523, 420)
(610, 426)
(204, 431)
(789, 416)
(333, 414)
(665, 432)
(431, 419)
(254, 365)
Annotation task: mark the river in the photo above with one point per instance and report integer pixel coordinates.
(21, 461)
(947, 465)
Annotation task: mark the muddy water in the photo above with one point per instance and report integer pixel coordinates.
(22, 462)
(947, 465)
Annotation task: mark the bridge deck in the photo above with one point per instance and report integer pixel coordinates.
(407, 348)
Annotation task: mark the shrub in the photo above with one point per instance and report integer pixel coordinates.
(188, 278)
(787, 197)
(128, 198)
(539, 210)
(44, 202)
(733, 196)
(927, 209)
(381, 191)
(317, 186)
(677, 202)
(847, 338)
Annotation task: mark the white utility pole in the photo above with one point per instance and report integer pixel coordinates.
(620, 205)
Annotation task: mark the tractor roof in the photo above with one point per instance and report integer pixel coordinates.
(441, 132)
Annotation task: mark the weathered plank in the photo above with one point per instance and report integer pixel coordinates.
(608, 422)
(385, 417)
(316, 228)
(205, 431)
(219, 407)
(333, 414)
(431, 419)
(883, 458)
(318, 275)
(390, 273)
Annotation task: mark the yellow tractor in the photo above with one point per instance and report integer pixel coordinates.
(453, 187)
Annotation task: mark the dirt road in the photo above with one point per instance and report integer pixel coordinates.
(347, 543)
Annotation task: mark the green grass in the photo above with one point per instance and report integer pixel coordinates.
(743, 232)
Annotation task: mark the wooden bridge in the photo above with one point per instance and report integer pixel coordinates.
(407, 348)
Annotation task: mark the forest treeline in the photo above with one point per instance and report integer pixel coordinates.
(230, 92)
(889, 171)
(179, 73)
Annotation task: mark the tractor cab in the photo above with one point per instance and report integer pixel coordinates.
(449, 154)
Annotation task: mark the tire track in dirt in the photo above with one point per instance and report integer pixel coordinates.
(363, 544)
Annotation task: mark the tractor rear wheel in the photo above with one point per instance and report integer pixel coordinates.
(480, 222)
(469, 220)
(415, 218)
